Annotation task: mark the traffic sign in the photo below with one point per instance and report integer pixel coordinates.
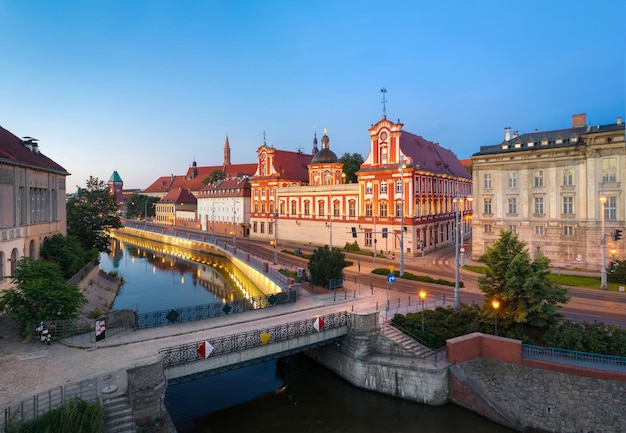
(461, 250)
(391, 278)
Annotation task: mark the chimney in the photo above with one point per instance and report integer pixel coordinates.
(507, 133)
(515, 134)
(619, 120)
(579, 120)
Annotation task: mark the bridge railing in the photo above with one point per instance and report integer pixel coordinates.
(573, 357)
(186, 353)
(154, 319)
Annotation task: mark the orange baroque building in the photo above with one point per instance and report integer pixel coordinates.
(410, 191)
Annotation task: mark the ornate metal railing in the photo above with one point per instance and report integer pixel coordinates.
(185, 353)
(573, 357)
(197, 312)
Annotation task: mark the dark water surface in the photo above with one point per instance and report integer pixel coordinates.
(292, 394)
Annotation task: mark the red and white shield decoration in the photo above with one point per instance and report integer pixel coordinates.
(205, 349)
(318, 324)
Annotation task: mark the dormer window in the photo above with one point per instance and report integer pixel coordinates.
(573, 140)
(558, 140)
(530, 144)
(545, 142)
(505, 147)
(518, 145)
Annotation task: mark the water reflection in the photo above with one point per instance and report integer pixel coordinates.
(160, 276)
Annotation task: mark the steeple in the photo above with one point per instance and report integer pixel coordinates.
(226, 152)
(315, 149)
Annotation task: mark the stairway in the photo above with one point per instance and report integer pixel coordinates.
(406, 342)
(118, 415)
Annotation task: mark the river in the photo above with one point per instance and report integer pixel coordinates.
(292, 394)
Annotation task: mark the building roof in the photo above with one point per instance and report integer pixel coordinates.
(179, 195)
(431, 157)
(289, 165)
(14, 150)
(226, 187)
(115, 177)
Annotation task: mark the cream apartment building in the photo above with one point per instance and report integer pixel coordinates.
(553, 189)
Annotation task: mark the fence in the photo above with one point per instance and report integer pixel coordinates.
(198, 312)
(573, 357)
(177, 355)
(54, 398)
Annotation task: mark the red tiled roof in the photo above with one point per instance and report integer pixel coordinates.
(179, 195)
(430, 156)
(291, 165)
(14, 151)
(164, 183)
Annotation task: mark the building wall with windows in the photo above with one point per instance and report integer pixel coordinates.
(32, 201)
(546, 187)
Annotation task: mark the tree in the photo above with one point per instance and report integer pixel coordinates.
(527, 297)
(351, 164)
(140, 206)
(40, 293)
(325, 265)
(619, 276)
(214, 176)
(67, 252)
(91, 214)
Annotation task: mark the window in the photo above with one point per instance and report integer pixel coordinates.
(320, 208)
(352, 209)
(294, 208)
(307, 207)
(399, 186)
(568, 177)
(368, 188)
(262, 192)
(539, 230)
(383, 209)
(271, 207)
(568, 230)
(609, 169)
(262, 227)
(487, 180)
(383, 187)
(368, 209)
(383, 155)
(487, 228)
(568, 205)
(487, 205)
(513, 228)
(256, 207)
(336, 209)
(512, 179)
(368, 239)
(263, 207)
(398, 209)
(610, 209)
(254, 227)
(270, 228)
(539, 205)
(513, 205)
(282, 208)
(538, 178)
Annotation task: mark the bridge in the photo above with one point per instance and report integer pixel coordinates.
(223, 353)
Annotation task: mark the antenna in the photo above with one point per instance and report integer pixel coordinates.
(384, 102)
(264, 136)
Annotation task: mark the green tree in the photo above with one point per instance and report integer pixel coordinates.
(67, 252)
(214, 176)
(527, 297)
(91, 214)
(138, 205)
(39, 292)
(351, 164)
(619, 276)
(325, 265)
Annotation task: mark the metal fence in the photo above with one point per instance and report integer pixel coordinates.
(43, 402)
(183, 354)
(573, 357)
(198, 312)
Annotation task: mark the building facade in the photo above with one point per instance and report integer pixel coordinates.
(32, 201)
(224, 207)
(556, 190)
(410, 191)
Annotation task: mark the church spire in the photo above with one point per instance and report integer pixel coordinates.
(226, 152)
(315, 150)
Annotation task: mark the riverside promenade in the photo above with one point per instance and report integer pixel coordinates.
(31, 367)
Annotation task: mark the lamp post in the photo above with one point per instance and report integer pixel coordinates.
(234, 224)
(422, 294)
(275, 237)
(457, 291)
(603, 248)
(613, 251)
(273, 244)
(496, 304)
(402, 216)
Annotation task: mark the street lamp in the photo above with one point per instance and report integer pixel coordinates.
(603, 248)
(496, 304)
(422, 294)
(457, 291)
(273, 244)
(275, 236)
(234, 224)
(613, 251)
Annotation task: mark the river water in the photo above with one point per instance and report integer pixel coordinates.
(292, 394)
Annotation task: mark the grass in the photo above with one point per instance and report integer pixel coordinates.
(563, 279)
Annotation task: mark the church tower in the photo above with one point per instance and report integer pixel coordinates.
(115, 187)
(226, 153)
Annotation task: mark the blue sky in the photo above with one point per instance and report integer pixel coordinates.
(145, 87)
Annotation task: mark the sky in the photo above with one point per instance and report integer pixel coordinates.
(146, 87)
